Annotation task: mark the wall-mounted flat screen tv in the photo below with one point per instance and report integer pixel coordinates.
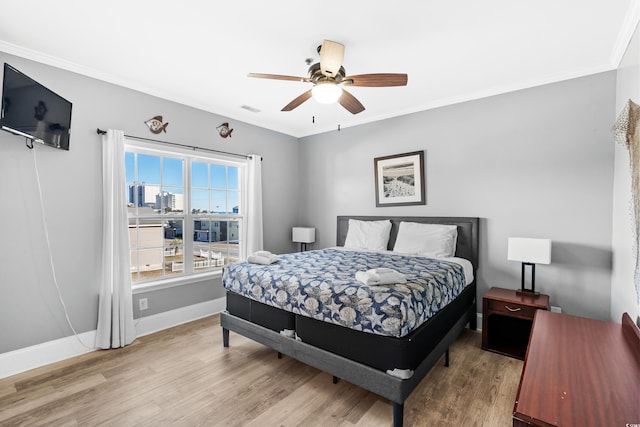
(31, 110)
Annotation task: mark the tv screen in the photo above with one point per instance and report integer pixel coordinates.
(33, 111)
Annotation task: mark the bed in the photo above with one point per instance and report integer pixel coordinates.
(387, 361)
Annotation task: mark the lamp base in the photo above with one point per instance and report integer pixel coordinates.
(527, 292)
(524, 291)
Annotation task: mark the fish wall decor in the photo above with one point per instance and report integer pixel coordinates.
(224, 130)
(155, 125)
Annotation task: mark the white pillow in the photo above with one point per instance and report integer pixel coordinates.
(432, 240)
(368, 235)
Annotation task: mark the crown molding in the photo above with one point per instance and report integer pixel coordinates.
(629, 26)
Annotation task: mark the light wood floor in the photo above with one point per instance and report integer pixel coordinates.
(183, 376)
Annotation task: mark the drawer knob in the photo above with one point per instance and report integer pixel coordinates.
(512, 309)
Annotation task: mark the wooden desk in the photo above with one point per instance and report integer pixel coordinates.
(579, 372)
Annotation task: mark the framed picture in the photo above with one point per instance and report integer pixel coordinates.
(400, 179)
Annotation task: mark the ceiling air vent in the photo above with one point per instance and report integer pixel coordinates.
(252, 109)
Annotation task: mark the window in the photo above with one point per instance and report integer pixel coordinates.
(186, 212)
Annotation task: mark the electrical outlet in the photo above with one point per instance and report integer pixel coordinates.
(556, 309)
(144, 304)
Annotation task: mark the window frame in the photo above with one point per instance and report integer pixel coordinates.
(187, 216)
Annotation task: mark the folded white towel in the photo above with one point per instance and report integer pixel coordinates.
(382, 270)
(254, 259)
(367, 278)
(263, 253)
(261, 259)
(381, 276)
(392, 277)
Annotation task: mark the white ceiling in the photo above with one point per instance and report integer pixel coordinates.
(198, 53)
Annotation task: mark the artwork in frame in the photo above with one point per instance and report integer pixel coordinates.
(400, 179)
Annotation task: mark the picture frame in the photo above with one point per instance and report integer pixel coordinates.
(399, 179)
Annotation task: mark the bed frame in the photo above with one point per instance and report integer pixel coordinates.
(262, 324)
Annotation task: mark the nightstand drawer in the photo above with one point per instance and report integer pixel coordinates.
(512, 309)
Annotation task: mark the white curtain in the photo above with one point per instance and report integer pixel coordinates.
(115, 312)
(254, 204)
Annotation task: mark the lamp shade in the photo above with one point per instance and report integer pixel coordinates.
(534, 251)
(303, 234)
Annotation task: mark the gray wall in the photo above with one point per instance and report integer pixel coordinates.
(623, 293)
(532, 163)
(30, 311)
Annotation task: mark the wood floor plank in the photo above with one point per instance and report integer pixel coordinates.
(7, 390)
(184, 376)
(27, 404)
(295, 407)
(380, 414)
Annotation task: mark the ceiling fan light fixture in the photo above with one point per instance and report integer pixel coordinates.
(326, 92)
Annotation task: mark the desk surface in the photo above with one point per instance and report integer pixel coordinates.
(578, 372)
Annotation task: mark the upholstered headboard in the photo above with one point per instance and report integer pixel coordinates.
(467, 244)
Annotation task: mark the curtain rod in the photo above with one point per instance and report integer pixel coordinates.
(102, 132)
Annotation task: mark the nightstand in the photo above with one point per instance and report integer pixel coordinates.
(507, 318)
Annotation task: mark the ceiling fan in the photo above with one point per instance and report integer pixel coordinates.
(329, 78)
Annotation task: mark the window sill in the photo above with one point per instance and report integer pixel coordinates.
(174, 281)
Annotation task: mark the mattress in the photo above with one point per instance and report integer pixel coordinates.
(321, 285)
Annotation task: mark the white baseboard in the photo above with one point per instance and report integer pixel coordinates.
(479, 321)
(24, 359)
(168, 319)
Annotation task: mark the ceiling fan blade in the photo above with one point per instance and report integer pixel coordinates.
(331, 56)
(278, 77)
(296, 102)
(376, 80)
(350, 102)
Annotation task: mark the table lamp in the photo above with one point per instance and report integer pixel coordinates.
(304, 236)
(529, 252)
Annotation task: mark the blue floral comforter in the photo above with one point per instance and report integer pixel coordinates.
(321, 284)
